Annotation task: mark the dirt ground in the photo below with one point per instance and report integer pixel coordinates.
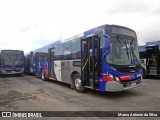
(30, 93)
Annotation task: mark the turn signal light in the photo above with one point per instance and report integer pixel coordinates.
(107, 78)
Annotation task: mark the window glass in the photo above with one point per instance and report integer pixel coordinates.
(67, 51)
(123, 52)
(58, 55)
(12, 58)
(75, 44)
(39, 57)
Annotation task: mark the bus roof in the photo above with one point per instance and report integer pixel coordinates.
(153, 43)
(85, 33)
(10, 50)
(45, 48)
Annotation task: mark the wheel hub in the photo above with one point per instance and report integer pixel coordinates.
(78, 83)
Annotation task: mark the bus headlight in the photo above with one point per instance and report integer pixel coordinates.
(117, 79)
(111, 76)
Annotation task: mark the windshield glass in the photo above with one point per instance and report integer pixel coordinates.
(123, 52)
(12, 58)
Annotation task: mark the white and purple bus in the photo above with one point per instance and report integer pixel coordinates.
(105, 58)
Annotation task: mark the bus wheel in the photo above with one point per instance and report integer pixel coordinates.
(43, 75)
(78, 83)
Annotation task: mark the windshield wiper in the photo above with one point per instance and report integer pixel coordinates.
(118, 38)
(127, 50)
(119, 41)
(134, 57)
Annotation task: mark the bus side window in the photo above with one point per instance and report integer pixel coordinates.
(45, 57)
(75, 45)
(35, 58)
(58, 54)
(40, 57)
(67, 51)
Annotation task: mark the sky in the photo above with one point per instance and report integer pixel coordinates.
(30, 24)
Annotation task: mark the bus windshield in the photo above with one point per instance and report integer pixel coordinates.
(123, 51)
(12, 58)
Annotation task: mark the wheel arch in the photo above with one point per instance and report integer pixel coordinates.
(73, 73)
(71, 76)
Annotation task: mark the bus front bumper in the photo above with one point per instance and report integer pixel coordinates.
(114, 86)
(12, 72)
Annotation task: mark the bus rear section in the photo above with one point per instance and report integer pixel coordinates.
(36, 62)
(40, 62)
(12, 62)
(105, 58)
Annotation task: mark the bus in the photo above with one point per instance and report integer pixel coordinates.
(36, 60)
(11, 62)
(150, 58)
(105, 58)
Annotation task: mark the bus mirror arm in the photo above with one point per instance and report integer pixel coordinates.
(106, 53)
(107, 50)
(106, 36)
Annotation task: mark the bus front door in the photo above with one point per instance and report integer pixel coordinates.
(152, 58)
(51, 63)
(90, 61)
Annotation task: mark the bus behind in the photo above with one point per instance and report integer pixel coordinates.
(11, 62)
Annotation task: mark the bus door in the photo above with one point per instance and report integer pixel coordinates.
(90, 61)
(51, 63)
(152, 58)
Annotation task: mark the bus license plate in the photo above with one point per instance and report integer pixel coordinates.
(133, 84)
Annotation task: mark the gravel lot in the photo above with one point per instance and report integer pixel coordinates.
(30, 93)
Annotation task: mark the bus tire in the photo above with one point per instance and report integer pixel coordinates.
(43, 77)
(77, 83)
(144, 74)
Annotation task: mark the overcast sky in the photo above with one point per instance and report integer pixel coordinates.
(30, 24)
